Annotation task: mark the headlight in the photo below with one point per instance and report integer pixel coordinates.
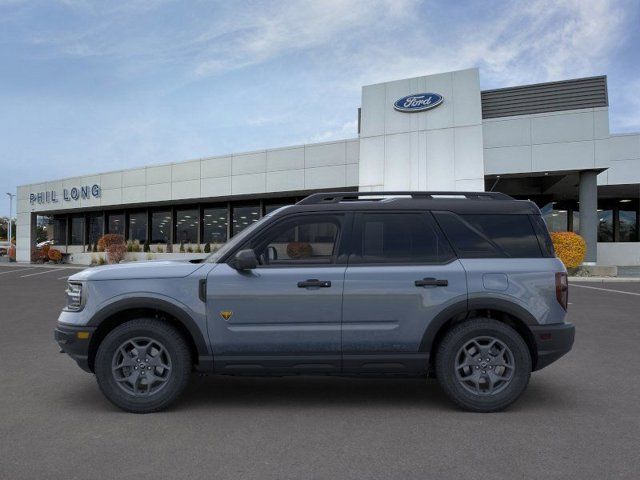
(74, 297)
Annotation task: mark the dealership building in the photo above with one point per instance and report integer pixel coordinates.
(548, 142)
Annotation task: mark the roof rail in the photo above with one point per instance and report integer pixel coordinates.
(336, 197)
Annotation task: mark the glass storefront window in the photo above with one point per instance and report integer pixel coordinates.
(138, 226)
(556, 220)
(96, 227)
(605, 225)
(60, 230)
(215, 222)
(161, 226)
(243, 217)
(77, 230)
(628, 226)
(115, 223)
(187, 226)
(44, 228)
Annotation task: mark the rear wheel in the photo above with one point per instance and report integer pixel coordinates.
(483, 365)
(143, 365)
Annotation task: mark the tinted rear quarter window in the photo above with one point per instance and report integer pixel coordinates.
(491, 235)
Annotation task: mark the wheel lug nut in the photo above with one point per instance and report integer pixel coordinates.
(482, 371)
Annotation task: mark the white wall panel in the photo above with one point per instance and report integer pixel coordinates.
(562, 127)
(160, 174)
(185, 171)
(505, 160)
(132, 178)
(186, 189)
(468, 152)
(215, 187)
(251, 183)
(562, 156)
(507, 133)
(285, 159)
(285, 180)
(325, 154)
(249, 163)
(325, 177)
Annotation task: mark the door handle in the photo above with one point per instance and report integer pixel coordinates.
(313, 282)
(431, 282)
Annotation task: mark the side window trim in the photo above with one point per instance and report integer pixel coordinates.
(356, 236)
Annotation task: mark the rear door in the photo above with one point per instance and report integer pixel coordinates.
(402, 272)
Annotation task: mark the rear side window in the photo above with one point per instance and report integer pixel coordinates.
(492, 235)
(398, 238)
(544, 239)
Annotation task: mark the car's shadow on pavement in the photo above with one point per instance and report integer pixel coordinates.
(205, 392)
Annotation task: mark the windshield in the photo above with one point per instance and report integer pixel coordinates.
(240, 238)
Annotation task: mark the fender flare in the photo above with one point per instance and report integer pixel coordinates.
(464, 307)
(155, 303)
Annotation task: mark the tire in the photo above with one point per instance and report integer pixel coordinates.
(492, 385)
(152, 353)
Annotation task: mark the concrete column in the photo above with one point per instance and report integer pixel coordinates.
(588, 197)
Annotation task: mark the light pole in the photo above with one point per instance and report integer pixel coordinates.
(11, 195)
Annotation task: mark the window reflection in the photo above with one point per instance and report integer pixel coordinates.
(138, 226)
(187, 226)
(161, 226)
(215, 222)
(243, 217)
(115, 223)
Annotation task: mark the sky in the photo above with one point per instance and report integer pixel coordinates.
(87, 87)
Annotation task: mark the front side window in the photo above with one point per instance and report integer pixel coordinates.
(303, 240)
(398, 238)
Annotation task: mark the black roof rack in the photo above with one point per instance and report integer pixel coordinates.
(336, 197)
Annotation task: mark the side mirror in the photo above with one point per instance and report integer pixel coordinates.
(245, 260)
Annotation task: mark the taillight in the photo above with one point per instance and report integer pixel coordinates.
(562, 289)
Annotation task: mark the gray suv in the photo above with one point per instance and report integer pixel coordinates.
(464, 287)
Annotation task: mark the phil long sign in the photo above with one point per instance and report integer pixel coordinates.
(418, 102)
(68, 194)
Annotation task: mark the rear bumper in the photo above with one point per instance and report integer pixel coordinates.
(552, 342)
(74, 345)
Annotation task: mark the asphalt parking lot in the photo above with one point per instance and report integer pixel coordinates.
(578, 419)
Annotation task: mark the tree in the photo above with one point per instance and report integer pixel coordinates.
(4, 223)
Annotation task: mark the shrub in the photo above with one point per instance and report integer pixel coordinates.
(95, 247)
(207, 247)
(198, 248)
(129, 246)
(181, 247)
(55, 255)
(189, 249)
(136, 246)
(149, 256)
(44, 252)
(570, 248)
(12, 253)
(147, 247)
(116, 252)
(101, 260)
(299, 250)
(160, 249)
(169, 247)
(110, 239)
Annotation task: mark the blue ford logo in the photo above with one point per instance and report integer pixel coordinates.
(418, 102)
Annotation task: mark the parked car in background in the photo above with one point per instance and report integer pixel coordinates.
(461, 286)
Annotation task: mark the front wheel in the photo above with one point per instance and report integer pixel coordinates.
(143, 365)
(483, 365)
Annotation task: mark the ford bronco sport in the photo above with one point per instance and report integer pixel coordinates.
(461, 286)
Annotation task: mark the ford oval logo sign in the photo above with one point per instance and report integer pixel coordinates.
(418, 102)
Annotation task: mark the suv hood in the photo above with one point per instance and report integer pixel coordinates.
(143, 270)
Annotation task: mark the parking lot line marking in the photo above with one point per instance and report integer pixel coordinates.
(16, 270)
(606, 289)
(40, 273)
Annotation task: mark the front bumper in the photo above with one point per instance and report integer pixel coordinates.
(552, 342)
(75, 341)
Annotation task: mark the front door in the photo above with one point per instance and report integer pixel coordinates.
(284, 316)
(401, 274)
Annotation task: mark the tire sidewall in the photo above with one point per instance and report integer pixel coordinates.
(457, 338)
(180, 365)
